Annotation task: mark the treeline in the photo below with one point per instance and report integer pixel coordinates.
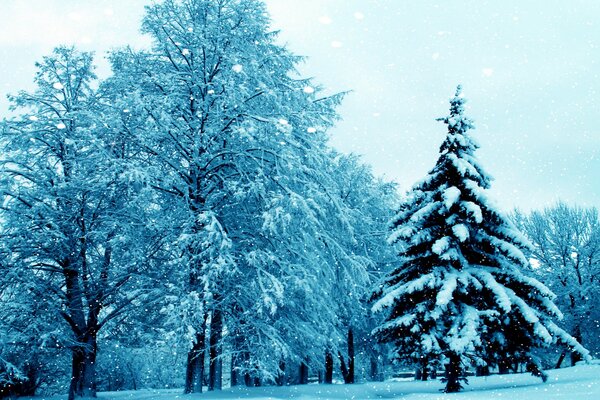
(189, 203)
(185, 220)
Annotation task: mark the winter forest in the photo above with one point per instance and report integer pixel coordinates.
(185, 223)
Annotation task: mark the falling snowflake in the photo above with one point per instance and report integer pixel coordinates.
(237, 68)
(309, 89)
(283, 121)
(60, 125)
(33, 118)
(311, 130)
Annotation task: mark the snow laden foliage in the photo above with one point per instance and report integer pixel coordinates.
(263, 242)
(189, 207)
(566, 254)
(72, 232)
(459, 295)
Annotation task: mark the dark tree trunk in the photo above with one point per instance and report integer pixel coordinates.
(29, 386)
(251, 381)
(83, 375)
(239, 355)
(215, 365)
(482, 370)
(328, 367)
(280, 380)
(453, 374)
(239, 360)
(248, 380)
(575, 356)
(195, 365)
(560, 359)
(235, 374)
(303, 373)
(83, 368)
(375, 370)
(348, 370)
(504, 366)
(422, 373)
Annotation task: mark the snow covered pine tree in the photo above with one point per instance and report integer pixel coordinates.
(458, 295)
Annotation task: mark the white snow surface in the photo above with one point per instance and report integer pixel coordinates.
(441, 245)
(575, 383)
(474, 210)
(461, 232)
(451, 196)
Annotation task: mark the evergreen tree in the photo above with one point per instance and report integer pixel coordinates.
(458, 295)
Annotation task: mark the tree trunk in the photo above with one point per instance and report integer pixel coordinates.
(235, 381)
(248, 380)
(504, 367)
(424, 373)
(239, 355)
(575, 356)
(560, 359)
(215, 365)
(375, 370)
(239, 358)
(83, 375)
(280, 380)
(195, 365)
(482, 370)
(28, 387)
(348, 371)
(328, 367)
(453, 374)
(303, 373)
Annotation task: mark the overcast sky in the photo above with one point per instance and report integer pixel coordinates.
(530, 70)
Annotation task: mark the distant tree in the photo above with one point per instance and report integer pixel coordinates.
(566, 245)
(367, 205)
(459, 294)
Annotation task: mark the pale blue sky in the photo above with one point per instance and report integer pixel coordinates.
(529, 68)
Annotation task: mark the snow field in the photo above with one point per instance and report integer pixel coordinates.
(575, 383)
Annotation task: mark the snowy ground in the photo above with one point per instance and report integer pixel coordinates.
(577, 383)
